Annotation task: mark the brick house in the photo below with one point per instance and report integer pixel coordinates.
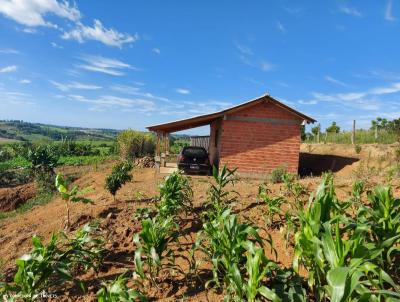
(255, 137)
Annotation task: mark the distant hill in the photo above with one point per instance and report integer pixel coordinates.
(15, 130)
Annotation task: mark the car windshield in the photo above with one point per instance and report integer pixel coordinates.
(195, 152)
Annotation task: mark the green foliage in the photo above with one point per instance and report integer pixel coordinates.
(224, 241)
(73, 195)
(357, 148)
(153, 243)
(333, 128)
(273, 204)
(277, 174)
(218, 197)
(177, 145)
(344, 260)
(132, 144)
(118, 177)
(248, 285)
(117, 291)
(175, 194)
(53, 264)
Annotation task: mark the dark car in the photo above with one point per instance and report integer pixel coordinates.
(194, 160)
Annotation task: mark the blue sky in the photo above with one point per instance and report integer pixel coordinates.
(120, 64)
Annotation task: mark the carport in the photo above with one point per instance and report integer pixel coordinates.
(255, 137)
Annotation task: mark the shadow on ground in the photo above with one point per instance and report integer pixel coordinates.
(316, 164)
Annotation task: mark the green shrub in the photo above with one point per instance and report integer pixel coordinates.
(118, 177)
(357, 148)
(277, 174)
(132, 144)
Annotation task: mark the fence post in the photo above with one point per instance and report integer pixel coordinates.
(353, 134)
(376, 133)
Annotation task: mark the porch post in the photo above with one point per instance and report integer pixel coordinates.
(157, 158)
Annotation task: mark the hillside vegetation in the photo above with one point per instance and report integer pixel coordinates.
(25, 131)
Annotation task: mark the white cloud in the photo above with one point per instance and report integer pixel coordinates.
(99, 33)
(311, 102)
(55, 45)
(244, 49)
(114, 101)
(266, 66)
(335, 81)
(136, 91)
(280, 27)
(104, 65)
(32, 12)
(182, 91)
(350, 11)
(25, 81)
(9, 51)
(10, 68)
(388, 12)
(29, 30)
(156, 50)
(395, 87)
(74, 85)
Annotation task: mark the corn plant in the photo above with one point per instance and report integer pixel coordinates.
(153, 253)
(218, 197)
(273, 204)
(224, 241)
(358, 189)
(73, 195)
(54, 263)
(382, 217)
(175, 194)
(86, 248)
(249, 284)
(118, 177)
(320, 209)
(117, 291)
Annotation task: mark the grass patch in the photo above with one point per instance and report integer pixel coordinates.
(20, 162)
(41, 199)
(83, 160)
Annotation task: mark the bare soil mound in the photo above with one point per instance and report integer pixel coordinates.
(11, 198)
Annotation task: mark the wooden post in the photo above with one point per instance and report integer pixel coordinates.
(319, 130)
(167, 144)
(157, 158)
(376, 133)
(353, 134)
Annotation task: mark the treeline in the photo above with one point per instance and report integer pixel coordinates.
(20, 130)
(382, 131)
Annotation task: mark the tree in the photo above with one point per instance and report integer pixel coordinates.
(334, 128)
(118, 177)
(73, 195)
(315, 130)
(42, 161)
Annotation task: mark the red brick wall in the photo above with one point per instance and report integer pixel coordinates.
(260, 147)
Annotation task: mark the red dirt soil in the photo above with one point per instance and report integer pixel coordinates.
(120, 225)
(11, 198)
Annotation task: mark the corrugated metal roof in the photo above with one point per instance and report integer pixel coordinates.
(206, 119)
